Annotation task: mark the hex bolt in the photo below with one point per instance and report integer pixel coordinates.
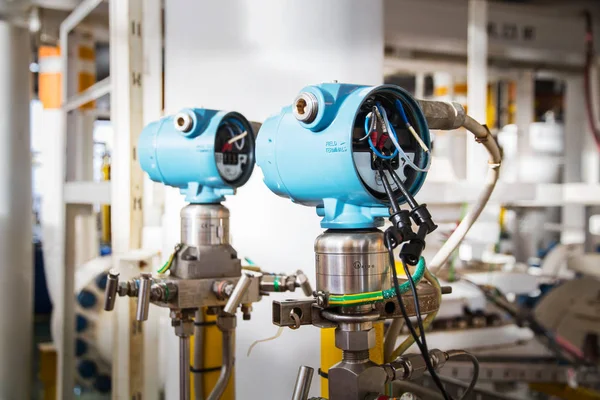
(183, 122)
(306, 107)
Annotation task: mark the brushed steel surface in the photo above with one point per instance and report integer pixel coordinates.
(206, 251)
(204, 225)
(195, 293)
(353, 261)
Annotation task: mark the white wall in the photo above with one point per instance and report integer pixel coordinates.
(254, 57)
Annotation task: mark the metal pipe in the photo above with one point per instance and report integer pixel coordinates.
(184, 368)
(16, 284)
(238, 292)
(226, 368)
(78, 14)
(92, 93)
(483, 136)
(391, 337)
(110, 293)
(198, 355)
(442, 114)
(303, 381)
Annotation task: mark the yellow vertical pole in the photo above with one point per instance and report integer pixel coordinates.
(105, 208)
(47, 370)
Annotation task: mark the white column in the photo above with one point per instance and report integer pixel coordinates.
(153, 192)
(153, 107)
(420, 85)
(525, 109)
(127, 181)
(16, 269)
(577, 131)
(268, 51)
(477, 79)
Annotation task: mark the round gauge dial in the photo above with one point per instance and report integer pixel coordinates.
(234, 149)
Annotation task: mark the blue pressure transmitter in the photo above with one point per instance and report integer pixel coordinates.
(207, 154)
(329, 148)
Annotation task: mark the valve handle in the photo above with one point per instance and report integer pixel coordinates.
(143, 303)
(303, 381)
(303, 282)
(110, 293)
(238, 293)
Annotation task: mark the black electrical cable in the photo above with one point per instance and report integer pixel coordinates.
(409, 324)
(462, 353)
(421, 344)
(409, 198)
(413, 289)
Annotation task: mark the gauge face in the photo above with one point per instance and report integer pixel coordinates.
(234, 149)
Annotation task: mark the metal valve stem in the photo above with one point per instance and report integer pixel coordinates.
(110, 293)
(143, 303)
(238, 292)
(303, 381)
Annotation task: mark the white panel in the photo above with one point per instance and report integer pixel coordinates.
(576, 129)
(239, 57)
(86, 192)
(127, 67)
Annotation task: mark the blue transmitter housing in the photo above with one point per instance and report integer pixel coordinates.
(322, 161)
(207, 154)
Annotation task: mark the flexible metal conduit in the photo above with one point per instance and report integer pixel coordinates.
(447, 116)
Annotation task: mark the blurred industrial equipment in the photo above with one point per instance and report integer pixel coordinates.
(519, 278)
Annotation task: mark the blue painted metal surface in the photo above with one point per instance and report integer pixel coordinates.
(81, 323)
(86, 299)
(312, 164)
(87, 368)
(186, 160)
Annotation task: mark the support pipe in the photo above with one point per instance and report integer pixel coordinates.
(227, 326)
(184, 368)
(302, 386)
(446, 116)
(16, 284)
(391, 336)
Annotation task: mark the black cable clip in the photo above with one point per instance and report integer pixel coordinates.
(323, 374)
(203, 370)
